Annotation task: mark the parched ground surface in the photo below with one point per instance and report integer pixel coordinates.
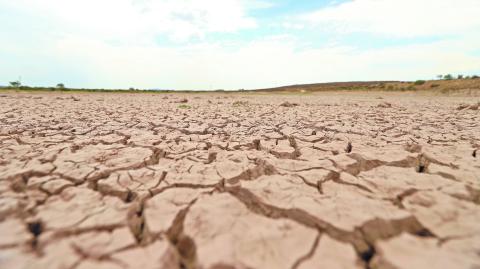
(231, 181)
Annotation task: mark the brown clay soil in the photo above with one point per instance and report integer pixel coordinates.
(367, 180)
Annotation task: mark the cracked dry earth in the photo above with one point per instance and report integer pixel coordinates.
(239, 181)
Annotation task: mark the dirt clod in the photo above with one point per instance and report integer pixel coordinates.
(349, 148)
(288, 104)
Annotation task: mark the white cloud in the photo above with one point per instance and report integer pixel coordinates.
(142, 19)
(292, 26)
(399, 18)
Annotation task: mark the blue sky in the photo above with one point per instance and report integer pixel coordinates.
(231, 44)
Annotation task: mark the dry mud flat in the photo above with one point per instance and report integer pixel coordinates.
(239, 181)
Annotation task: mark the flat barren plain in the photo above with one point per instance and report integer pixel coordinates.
(223, 181)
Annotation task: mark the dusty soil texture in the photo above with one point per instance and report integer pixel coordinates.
(239, 181)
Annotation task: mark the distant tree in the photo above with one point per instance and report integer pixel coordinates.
(440, 76)
(448, 77)
(15, 84)
(131, 89)
(460, 77)
(467, 77)
(475, 77)
(60, 86)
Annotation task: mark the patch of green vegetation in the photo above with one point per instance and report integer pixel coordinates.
(419, 82)
(240, 103)
(184, 106)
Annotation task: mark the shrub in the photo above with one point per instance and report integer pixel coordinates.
(434, 85)
(184, 107)
(419, 82)
(460, 77)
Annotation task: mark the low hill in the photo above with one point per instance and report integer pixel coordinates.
(443, 86)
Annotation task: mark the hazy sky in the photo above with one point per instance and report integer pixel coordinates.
(231, 44)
